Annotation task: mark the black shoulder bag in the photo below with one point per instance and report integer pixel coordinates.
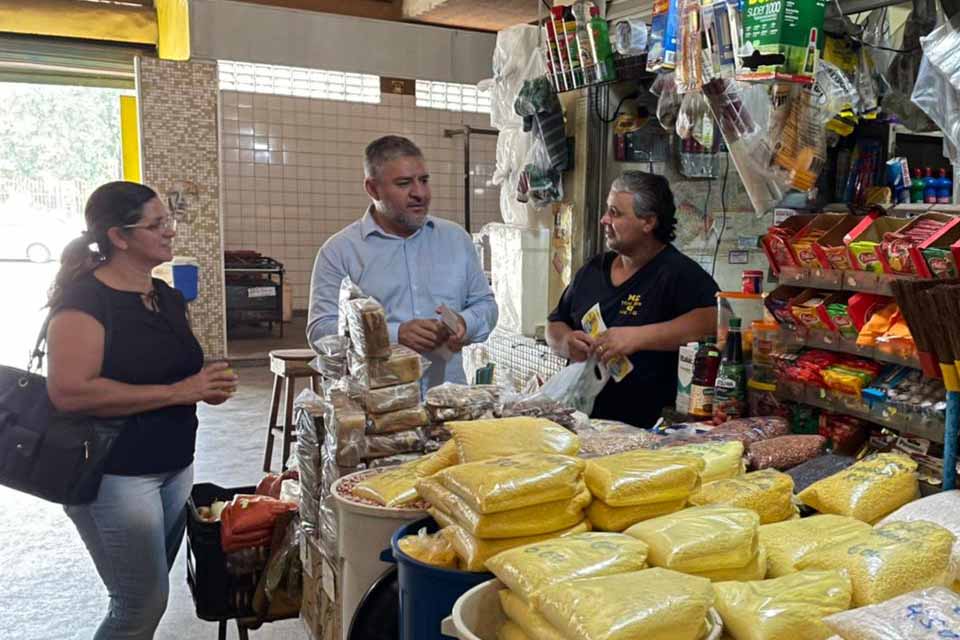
(52, 455)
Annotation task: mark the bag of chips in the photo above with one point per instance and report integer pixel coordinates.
(889, 560)
(868, 490)
(929, 614)
(484, 439)
(643, 477)
(787, 608)
(700, 539)
(768, 492)
(653, 604)
(429, 548)
(787, 542)
(533, 520)
(722, 460)
(474, 552)
(534, 625)
(603, 517)
(502, 484)
(528, 569)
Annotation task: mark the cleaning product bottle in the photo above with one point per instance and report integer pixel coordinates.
(573, 51)
(929, 187)
(916, 186)
(705, 366)
(601, 40)
(730, 390)
(588, 59)
(944, 188)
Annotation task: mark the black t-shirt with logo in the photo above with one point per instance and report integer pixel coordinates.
(668, 287)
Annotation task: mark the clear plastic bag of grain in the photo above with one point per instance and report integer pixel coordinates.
(928, 614)
(390, 399)
(785, 452)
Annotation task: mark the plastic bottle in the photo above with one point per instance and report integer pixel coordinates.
(705, 366)
(916, 186)
(601, 40)
(730, 390)
(588, 59)
(929, 187)
(944, 188)
(573, 51)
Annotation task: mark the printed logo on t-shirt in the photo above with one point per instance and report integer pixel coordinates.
(630, 306)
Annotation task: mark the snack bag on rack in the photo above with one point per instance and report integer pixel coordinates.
(767, 492)
(867, 490)
(889, 560)
(643, 477)
(787, 542)
(528, 569)
(485, 439)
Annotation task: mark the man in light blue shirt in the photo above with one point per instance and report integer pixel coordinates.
(409, 261)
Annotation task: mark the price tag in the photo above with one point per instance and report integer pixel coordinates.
(261, 292)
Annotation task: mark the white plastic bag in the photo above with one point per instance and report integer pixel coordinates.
(577, 385)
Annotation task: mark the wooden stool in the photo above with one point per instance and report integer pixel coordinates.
(287, 365)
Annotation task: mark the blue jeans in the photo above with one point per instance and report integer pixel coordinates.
(133, 531)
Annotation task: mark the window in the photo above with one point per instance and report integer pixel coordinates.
(452, 97)
(299, 81)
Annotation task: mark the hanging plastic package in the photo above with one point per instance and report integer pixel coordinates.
(631, 37)
(668, 100)
(834, 91)
(900, 75)
(539, 183)
(577, 385)
(934, 92)
(516, 58)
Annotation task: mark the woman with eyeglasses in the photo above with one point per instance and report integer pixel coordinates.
(120, 344)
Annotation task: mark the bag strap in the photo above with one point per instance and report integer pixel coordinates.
(39, 352)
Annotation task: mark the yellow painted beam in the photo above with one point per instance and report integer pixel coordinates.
(130, 138)
(84, 20)
(173, 29)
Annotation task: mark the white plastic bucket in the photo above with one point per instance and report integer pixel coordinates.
(363, 532)
(477, 615)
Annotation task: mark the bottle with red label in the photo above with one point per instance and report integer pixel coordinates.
(705, 366)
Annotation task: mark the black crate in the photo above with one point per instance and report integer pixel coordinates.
(217, 594)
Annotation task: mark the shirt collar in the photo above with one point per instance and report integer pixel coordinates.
(368, 226)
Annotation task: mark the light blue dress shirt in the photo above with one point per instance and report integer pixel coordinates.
(410, 277)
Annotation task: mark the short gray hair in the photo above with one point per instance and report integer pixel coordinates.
(651, 193)
(383, 150)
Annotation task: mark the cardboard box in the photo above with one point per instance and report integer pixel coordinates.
(776, 242)
(830, 249)
(937, 256)
(867, 236)
(808, 309)
(900, 255)
(688, 353)
(803, 245)
(320, 607)
(664, 24)
(779, 301)
(782, 39)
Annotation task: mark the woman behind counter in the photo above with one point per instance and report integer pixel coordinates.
(120, 344)
(653, 299)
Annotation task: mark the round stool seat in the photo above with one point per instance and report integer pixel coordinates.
(296, 355)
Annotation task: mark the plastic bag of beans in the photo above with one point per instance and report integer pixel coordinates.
(785, 452)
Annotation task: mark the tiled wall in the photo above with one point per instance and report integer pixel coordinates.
(178, 128)
(293, 172)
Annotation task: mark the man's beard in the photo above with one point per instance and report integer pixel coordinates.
(408, 221)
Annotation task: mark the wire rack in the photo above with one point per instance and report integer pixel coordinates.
(517, 358)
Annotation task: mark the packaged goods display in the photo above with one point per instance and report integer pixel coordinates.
(484, 439)
(769, 493)
(643, 477)
(920, 615)
(785, 452)
(787, 542)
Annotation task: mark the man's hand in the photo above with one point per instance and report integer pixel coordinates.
(617, 341)
(456, 341)
(579, 345)
(422, 336)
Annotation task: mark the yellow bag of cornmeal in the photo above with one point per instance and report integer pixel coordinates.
(396, 486)
(501, 484)
(607, 518)
(430, 548)
(787, 608)
(756, 569)
(654, 604)
(867, 490)
(445, 456)
(511, 631)
(940, 508)
(722, 459)
(768, 492)
(643, 477)
(889, 560)
(787, 542)
(496, 438)
(525, 570)
(700, 539)
(526, 521)
(534, 625)
(474, 552)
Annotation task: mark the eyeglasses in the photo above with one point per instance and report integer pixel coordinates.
(168, 223)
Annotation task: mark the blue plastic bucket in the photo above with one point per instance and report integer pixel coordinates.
(427, 593)
(186, 280)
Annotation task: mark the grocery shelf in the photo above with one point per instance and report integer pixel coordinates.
(830, 341)
(833, 280)
(887, 416)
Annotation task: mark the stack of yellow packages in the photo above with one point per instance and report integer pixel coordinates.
(492, 505)
(593, 586)
(722, 460)
(768, 492)
(787, 542)
(397, 486)
(638, 485)
(715, 542)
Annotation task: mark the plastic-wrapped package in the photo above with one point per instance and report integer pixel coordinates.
(755, 569)
(780, 608)
(484, 439)
(511, 631)
(526, 618)
(332, 346)
(937, 91)
(474, 552)
(787, 542)
(928, 614)
(348, 291)
(533, 520)
(404, 365)
(694, 115)
(668, 100)
(395, 421)
(539, 183)
(452, 401)
(700, 539)
(889, 560)
(393, 461)
(603, 517)
(513, 145)
(438, 433)
(539, 406)
(429, 548)
(346, 423)
(768, 492)
(643, 477)
(328, 367)
(516, 58)
(528, 569)
(835, 91)
(868, 490)
(577, 385)
(595, 444)
(819, 468)
(653, 604)
(367, 323)
(282, 580)
(722, 460)
(501, 484)
(391, 444)
(785, 452)
(940, 508)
